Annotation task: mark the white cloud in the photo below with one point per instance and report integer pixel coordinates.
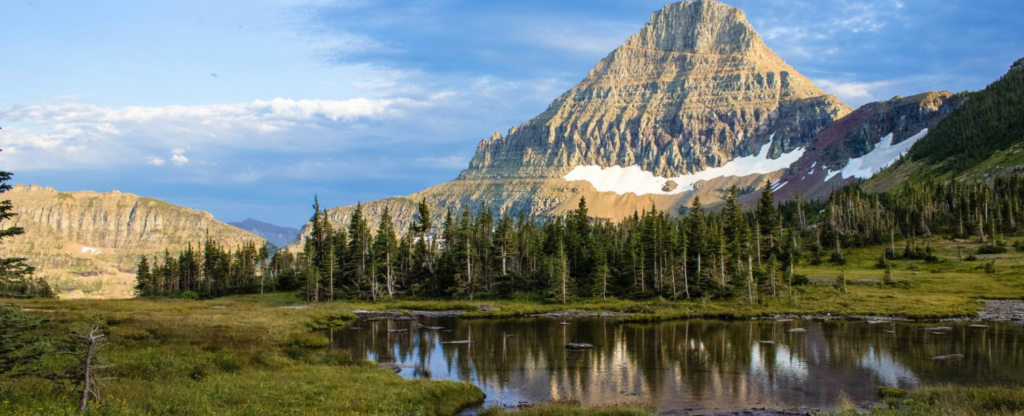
(75, 134)
(178, 157)
(853, 93)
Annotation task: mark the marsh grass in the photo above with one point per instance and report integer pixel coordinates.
(951, 400)
(246, 356)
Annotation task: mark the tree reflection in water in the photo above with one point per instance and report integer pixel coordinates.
(689, 364)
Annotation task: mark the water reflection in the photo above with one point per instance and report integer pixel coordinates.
(688, 364)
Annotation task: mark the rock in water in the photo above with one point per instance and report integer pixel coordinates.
(579, 346)
(939, 329)
(460, 342)
(949, 357)
(797, 330)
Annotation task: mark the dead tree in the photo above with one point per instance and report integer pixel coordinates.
(84, 347)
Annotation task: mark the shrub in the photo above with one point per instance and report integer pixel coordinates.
(990, 267)
(190, 295)
(992, 249)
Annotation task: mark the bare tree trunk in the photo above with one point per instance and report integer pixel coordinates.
(750, 281)
(92, 341)
(757, 230)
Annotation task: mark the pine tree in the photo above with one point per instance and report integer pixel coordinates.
(767, 220)
(357, 263)
(144, 284)
(696, 240)
(16, 275)
(385, 253)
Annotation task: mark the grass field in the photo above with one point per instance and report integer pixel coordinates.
(264, 355)
(949, 288)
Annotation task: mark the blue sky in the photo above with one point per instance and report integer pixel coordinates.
(249, 109)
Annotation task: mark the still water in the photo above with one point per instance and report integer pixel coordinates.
(689, 364)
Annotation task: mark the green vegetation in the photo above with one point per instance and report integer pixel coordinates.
(15, 275)
(987, 123)
(779, 259)
(235, 355)
(948, 400)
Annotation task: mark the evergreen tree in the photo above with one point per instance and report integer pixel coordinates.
(767, 221)
(144, 284)
(16, 275)
(385, 254)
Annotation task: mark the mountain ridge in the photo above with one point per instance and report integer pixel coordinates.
(87, 244)
(277, 235)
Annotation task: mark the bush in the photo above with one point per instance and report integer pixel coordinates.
(881, 263)
(990, 267)
(190, 295)
(837, 259)
(992, 249)
(971, 258)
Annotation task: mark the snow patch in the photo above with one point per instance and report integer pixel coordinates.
(778, 185)
(91, 251)
(623, 180)
(811, 172)
(831, 174)
(882, 156)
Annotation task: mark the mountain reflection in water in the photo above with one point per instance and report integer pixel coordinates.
(688, 364)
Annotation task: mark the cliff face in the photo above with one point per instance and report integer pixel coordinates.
(88, 243)
(694, 89)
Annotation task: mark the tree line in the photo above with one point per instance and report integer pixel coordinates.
(731, 252)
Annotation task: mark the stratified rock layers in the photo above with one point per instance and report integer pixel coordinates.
(695, 88)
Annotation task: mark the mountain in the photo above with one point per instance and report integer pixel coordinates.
(865, 142)
(695, 103)
(692, 104)
(88, 244)
(274, 234)
(984, 137)
(694, 89)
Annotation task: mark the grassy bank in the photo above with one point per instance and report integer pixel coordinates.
(251, 355)
(922, 290)
(949, 400)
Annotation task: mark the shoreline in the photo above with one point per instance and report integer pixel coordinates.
(992, 311)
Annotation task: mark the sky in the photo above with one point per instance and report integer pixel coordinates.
(249, 109)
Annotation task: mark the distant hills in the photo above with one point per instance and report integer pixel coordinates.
(274, 234)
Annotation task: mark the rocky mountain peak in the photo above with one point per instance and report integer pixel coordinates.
(1017, 66)
(695, 88)
(698, 27)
